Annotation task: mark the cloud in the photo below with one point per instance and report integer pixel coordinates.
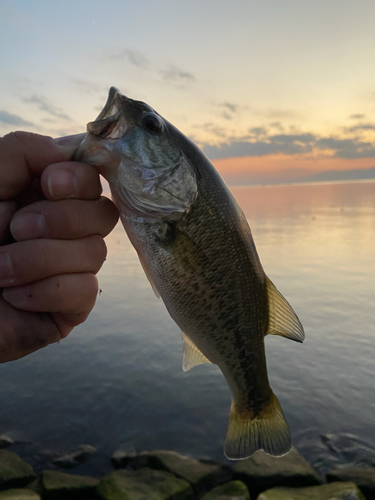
(281, 113)
(263, 143)
(220, 132)
(257, 131)
(229, 109)
(43, 105)
(134, 57)
(361, 126)
(177, 75)
(233, 108)
(357, 116)
(347, 148)
(11, 119)
(278, 125)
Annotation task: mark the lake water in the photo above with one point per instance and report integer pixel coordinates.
(117, 379)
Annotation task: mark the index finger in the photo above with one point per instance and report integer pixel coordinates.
(24, 155)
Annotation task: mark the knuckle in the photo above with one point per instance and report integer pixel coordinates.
(111, 212)
(98, 250)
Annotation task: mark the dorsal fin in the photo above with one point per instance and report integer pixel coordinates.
(147, 273)
(192, 355)
(282, 319)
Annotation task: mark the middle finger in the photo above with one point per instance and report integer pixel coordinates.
(64, 219)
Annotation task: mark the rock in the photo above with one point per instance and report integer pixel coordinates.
(60, 485)
(202, 476)
(362, 477)
(262, 472)
(332, 491)
(80, 456)
(349, 450)
(19, 494)
(234, 490)
(5, 441)
(14, 472)
(121, 458)
(142, 484)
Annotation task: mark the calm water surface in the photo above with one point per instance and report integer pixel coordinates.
(117, 380)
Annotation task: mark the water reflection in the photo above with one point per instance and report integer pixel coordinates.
(118, 378)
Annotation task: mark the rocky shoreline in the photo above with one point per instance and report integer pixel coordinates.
(167, 475)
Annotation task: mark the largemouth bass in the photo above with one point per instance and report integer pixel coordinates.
(198, 253)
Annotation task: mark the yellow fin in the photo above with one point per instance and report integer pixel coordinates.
(282, 319)
(268, 432)
(192, 355)
(147, 273)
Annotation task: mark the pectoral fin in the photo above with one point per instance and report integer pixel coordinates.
(192, 355)
(282, 319)
(148, 274)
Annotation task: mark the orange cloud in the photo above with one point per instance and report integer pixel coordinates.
(282, 168)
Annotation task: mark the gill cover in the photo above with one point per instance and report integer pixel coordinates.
(149, 174)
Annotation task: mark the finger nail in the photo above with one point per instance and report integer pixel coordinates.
(17, 295)
(63, 184)
(28, 227)
(6, 267)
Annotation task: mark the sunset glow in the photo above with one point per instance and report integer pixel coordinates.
(271, 91)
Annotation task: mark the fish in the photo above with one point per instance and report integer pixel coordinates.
(196, 248)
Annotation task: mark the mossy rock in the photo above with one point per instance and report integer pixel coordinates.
(143, 484)
(262, 472)
(202, 476)
(234, 490)
(363, 477)
(19, 494)
(60, 485)
(14, 472)
(332, 491)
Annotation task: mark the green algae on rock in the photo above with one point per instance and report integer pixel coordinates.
(202, 476)
(144, 483)
(19, 494)
(60, 485)
(332, 491)
(234, 490)
(14, 472)
(363, 477)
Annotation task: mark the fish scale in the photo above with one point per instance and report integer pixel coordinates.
(197, 251)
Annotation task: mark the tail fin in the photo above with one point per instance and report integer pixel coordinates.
(268, 431)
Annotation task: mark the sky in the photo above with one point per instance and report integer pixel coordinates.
(271, 90)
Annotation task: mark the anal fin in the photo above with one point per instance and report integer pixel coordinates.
(282, 319)
(192, 356)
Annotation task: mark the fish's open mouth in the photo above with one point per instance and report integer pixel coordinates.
(110, 107)
(111, 122)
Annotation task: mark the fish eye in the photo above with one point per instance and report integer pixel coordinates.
(152, 123)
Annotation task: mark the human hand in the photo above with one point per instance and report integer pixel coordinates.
(57, 220)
